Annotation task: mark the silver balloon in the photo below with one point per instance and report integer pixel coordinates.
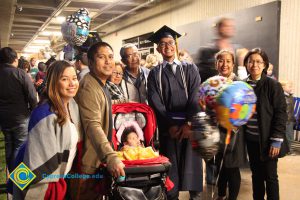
(205, 135)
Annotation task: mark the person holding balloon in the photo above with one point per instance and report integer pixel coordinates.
(265, 131)
(235, 154)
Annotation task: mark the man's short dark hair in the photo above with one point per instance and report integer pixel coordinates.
(42, 66)
(82, 58)
(8, 55)
(93, 50)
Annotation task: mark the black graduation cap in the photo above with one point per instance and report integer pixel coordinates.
(164, 31)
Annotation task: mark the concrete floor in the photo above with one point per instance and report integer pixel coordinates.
(289, 181)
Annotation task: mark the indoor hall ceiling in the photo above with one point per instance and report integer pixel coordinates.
(26, 23)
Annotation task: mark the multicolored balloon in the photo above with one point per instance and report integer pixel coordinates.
(76, 28)
(205, 136)
(235, 105)
(210, 88)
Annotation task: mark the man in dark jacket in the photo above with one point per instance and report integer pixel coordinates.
(17, 98)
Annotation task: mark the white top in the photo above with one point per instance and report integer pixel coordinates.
(73, 146)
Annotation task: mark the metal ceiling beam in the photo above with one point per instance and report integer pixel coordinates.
(107, 7)
(25, 26)
(74, 9)
(28, 20)
(122, 15)
(31, 15)
(15, 30)
(35, 6)
(60, 7)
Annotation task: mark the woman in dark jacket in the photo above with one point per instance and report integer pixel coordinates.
(265, 131)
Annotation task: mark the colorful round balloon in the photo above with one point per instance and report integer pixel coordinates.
(235, 104)
(210, 88)
(76, 28)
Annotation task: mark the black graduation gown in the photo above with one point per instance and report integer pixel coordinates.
(186, 171)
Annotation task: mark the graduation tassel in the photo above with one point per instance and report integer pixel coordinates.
(176, 44)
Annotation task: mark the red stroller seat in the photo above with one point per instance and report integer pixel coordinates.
(144, 179)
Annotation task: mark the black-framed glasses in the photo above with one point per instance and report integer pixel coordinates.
(117, 73)
(164, 44)
(258, 62)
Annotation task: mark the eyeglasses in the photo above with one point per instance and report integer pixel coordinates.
(164, 44)
(258, 62)
(117, 73)
(135, 54)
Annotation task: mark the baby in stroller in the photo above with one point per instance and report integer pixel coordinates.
(131, 138)
(146, 171)
(130, 134)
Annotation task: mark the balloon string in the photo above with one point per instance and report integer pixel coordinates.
(227, 141)
(228, 135)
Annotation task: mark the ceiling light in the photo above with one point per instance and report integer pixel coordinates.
(48, 33)
(60, 19)
(41, 41)
(31, 50)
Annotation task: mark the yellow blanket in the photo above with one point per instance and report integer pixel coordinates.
(136, 153)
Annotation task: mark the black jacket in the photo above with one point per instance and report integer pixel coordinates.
(271, 114)
(17, 96)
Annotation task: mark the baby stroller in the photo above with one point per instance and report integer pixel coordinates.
(145, 179)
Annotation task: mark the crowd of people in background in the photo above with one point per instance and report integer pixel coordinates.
(72, 103)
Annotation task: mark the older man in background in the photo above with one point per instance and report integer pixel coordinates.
(135, 77)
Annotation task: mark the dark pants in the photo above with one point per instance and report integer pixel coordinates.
(232, 177)
(14, 138)
(211, 172)
(186, 171)
(264, 174)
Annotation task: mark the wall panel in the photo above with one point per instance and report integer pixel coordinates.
(175, 13)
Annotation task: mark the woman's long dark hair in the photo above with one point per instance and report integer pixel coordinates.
(54, 72)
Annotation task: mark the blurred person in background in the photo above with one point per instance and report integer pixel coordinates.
(81, 64)
(185, 56)
(33, 69)
(151, 61)
(225, 31)
(42, 71)
(291, 120)
(25, 65)
(17, 99)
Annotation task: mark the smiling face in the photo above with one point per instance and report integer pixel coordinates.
(103, 62)
(132, 58)
(224, 64)
(117, 75)
(68, 84)
(167, 48)
(255, 66)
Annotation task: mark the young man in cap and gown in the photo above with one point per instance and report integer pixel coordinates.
(172, 93)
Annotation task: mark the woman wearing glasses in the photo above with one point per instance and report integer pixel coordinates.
(114, 85)
(265, 131)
